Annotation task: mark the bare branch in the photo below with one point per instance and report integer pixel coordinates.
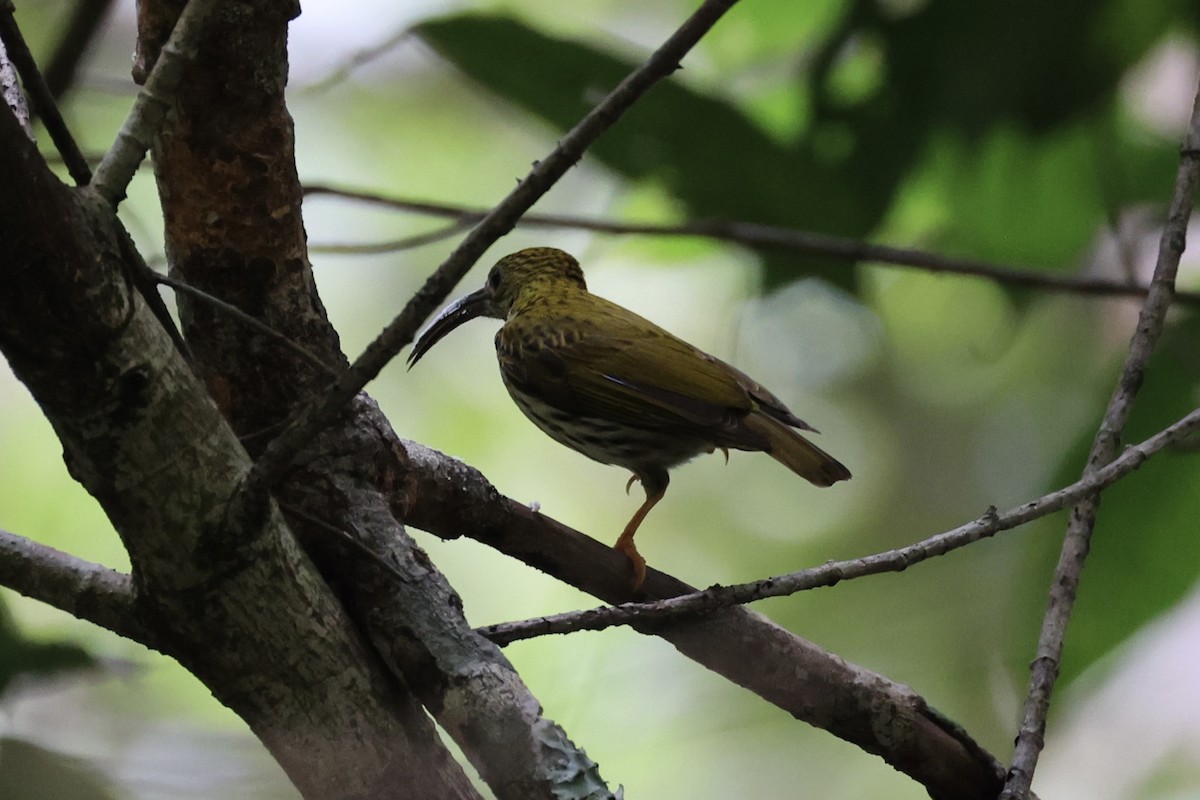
(356, 60)
(395, 245)
(500, 220)
(183, 287)
(122, 160)
(142, 434)
(834, 572)
(41, 96)
(82, 589)
(417, 628)
(756, 237)
(1077, 542)
(450, 499)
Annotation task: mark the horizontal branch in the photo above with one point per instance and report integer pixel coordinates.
(450, 499)
(754, 236)
(834, 572)
(81, 588)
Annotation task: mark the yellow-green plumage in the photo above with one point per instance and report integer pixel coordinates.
(616, 387)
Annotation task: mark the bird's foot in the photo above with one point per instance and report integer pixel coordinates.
(637, 564)
(629, 483)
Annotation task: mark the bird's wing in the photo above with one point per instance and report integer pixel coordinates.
(621, 367)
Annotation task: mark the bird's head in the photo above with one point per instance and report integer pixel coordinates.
(515, 280)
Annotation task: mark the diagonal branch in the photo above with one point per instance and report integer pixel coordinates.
(41, 95)
(1077, 542)
(499, 221)
(834, 572)
(415, 625)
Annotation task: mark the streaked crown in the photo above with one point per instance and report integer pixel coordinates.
(520, 276)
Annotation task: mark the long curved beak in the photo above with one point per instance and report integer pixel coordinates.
(476, 304)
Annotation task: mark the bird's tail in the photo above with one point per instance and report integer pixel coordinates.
(797, 453)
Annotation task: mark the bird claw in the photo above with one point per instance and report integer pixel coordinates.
(714, 449)
(629, 483)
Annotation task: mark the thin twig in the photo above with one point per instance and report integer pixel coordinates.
(272, 464)
(358, 59)
(759, 237)
(346, 537)
(834, 572)
(1077, 542)
(244, 318)
(40, 96)
(394, 245)
(150, 108)
(143, 278)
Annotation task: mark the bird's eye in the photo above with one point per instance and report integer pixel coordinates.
(493, 280)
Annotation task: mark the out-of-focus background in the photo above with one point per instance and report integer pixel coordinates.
(1038, 135)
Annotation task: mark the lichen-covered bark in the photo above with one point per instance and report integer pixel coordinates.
(231, 597)
(226, 171)
(416, 623)
(231, 199)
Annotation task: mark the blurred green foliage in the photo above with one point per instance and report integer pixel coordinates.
(21, 656)
(1015, 132)
(1025, 95)
(30, 772)
(1010, 115)
(27, 771)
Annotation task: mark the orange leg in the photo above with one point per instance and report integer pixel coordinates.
(655, 485)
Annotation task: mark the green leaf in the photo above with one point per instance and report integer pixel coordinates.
(1034, 172)
(1039, 65)
(703, 150)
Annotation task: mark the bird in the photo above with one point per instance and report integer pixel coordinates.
(619, 389)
